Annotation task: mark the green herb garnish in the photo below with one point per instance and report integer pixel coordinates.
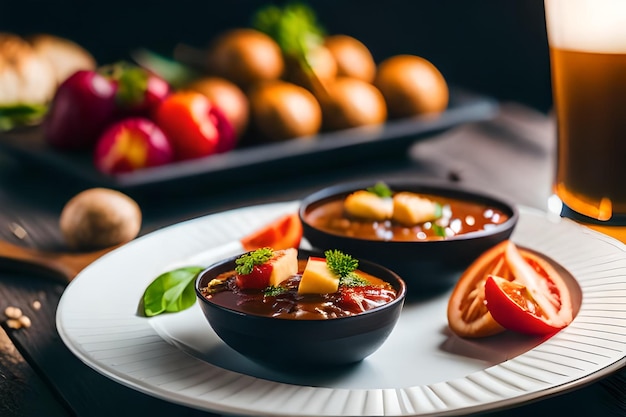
(439, 230)
(273, 291)
(171, 291)
(340, 263)
(438, 210)
(294, 27)
(381, 190)
(246, 262)
(344, 265)
(353, 280)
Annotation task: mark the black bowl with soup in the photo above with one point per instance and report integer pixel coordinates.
(292, 330)
(428, 250)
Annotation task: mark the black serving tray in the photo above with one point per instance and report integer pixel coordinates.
(249, 162)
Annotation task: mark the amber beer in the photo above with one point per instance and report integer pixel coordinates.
(588, 61)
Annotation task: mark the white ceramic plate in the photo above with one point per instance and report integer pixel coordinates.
(421, 370)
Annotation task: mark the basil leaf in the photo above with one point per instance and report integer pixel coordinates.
(12, 116)
(171, 291)
(381, 189)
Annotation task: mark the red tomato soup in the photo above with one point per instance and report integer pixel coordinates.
(458, 217)
(288, 304)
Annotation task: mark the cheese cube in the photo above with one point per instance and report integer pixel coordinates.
(367, 205)
(284, 265)
(317, 278)
(410, 209)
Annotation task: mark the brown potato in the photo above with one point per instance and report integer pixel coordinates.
(353, 58)
(281, 110)
(228, 97)
(245, 57)
(323, 70)
(411, 86)
(99, 218)
(351, 102)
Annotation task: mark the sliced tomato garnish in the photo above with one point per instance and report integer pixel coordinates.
(544, 284)
(535, 300)
(528, 282)
(467, 314)
(512, 305)
(283, 233)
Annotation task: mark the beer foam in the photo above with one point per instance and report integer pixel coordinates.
(587, 25)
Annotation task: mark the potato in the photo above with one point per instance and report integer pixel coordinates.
(245, 57)
(281, 110)
(411, 86)
(97, 218)
(323, 69)
(350, 102)
(353, 58)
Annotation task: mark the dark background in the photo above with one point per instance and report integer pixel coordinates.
(497, 47)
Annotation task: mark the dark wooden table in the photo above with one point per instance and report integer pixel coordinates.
(510, 155)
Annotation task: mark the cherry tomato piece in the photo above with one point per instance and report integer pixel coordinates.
(512, 305)
(194, 125)
(258, 279)
(283, 233)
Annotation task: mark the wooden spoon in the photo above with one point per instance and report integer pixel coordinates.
(284, 232)
(62, 265)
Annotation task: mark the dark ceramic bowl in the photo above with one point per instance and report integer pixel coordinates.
(430, 265)
(290, 343)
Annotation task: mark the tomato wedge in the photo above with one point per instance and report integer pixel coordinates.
(536, 302)
(472, 314)
(283, 233)
(467, 313)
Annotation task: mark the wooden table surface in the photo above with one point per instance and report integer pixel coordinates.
(510, 155)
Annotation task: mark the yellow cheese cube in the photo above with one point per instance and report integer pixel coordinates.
(317, 278)
(284, 265)
(410, 209)
(367, 205)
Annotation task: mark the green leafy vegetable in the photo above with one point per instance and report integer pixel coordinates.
(381, 189)
(438, 210)
(273, 291)
(171, 291)
(439, 230)
(21, 115)
(344, 265)
(247, 261)
(340, 263)
(294, 27)
(353, 280)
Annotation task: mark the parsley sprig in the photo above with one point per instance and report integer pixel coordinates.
(273, 291)
(345, 266)
(381, 189)
(246, 262)
(293, 26)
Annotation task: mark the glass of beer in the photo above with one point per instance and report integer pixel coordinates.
(587, 40)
